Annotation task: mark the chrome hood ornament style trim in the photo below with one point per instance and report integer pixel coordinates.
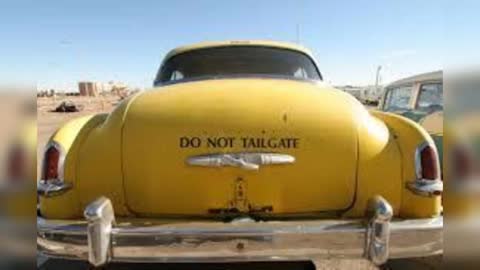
(243, 160)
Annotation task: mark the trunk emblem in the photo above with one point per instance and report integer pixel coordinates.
(246, 161)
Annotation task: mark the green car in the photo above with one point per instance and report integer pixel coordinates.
(419, 98)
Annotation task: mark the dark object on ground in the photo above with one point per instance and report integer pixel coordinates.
(68, 106)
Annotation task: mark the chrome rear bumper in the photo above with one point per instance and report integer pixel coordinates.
(100, 240)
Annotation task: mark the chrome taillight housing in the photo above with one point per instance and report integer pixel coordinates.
(427, 164)
(52, 181)
(428, 180)
(53, 160)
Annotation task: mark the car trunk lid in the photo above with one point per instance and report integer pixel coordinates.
(240, 145)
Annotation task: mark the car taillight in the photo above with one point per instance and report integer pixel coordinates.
(16, 166)
(51, 163)
(428, 167)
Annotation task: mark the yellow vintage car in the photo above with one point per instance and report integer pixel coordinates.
(240, 152)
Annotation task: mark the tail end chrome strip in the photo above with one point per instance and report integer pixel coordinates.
(247, 161)
(52, 188)
(426, 188)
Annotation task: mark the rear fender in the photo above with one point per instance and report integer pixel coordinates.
(408, 136)
(68, 137)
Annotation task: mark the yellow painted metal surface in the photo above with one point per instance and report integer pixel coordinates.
(380, 165)
(66, 206)
(240, 110)
(92, 164)
(409, 135)
(344, 155)
(433, 123)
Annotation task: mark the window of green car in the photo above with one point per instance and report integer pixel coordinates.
(398, 98)
(431, 97)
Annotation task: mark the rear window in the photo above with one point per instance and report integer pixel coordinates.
(238, 61)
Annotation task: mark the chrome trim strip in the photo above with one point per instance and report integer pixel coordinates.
(418, 160)
(243, 160)
(52, 188)
(153, 241)
(426, 188)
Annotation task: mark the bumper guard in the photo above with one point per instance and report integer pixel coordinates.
(99, 239)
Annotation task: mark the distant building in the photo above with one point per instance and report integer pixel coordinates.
(88, 89)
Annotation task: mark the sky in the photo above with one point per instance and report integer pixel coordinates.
(55, 44)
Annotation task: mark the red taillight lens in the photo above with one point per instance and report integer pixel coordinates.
(429, 163)
(16, 164)
(51, 164)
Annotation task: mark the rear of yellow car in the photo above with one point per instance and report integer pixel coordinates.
(240, 168)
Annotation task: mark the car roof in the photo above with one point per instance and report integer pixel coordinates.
(261, 43)
(424, 77)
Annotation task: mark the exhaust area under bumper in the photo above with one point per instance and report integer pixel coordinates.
(100, 239)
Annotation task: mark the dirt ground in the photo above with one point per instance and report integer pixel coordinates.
(49, 121)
